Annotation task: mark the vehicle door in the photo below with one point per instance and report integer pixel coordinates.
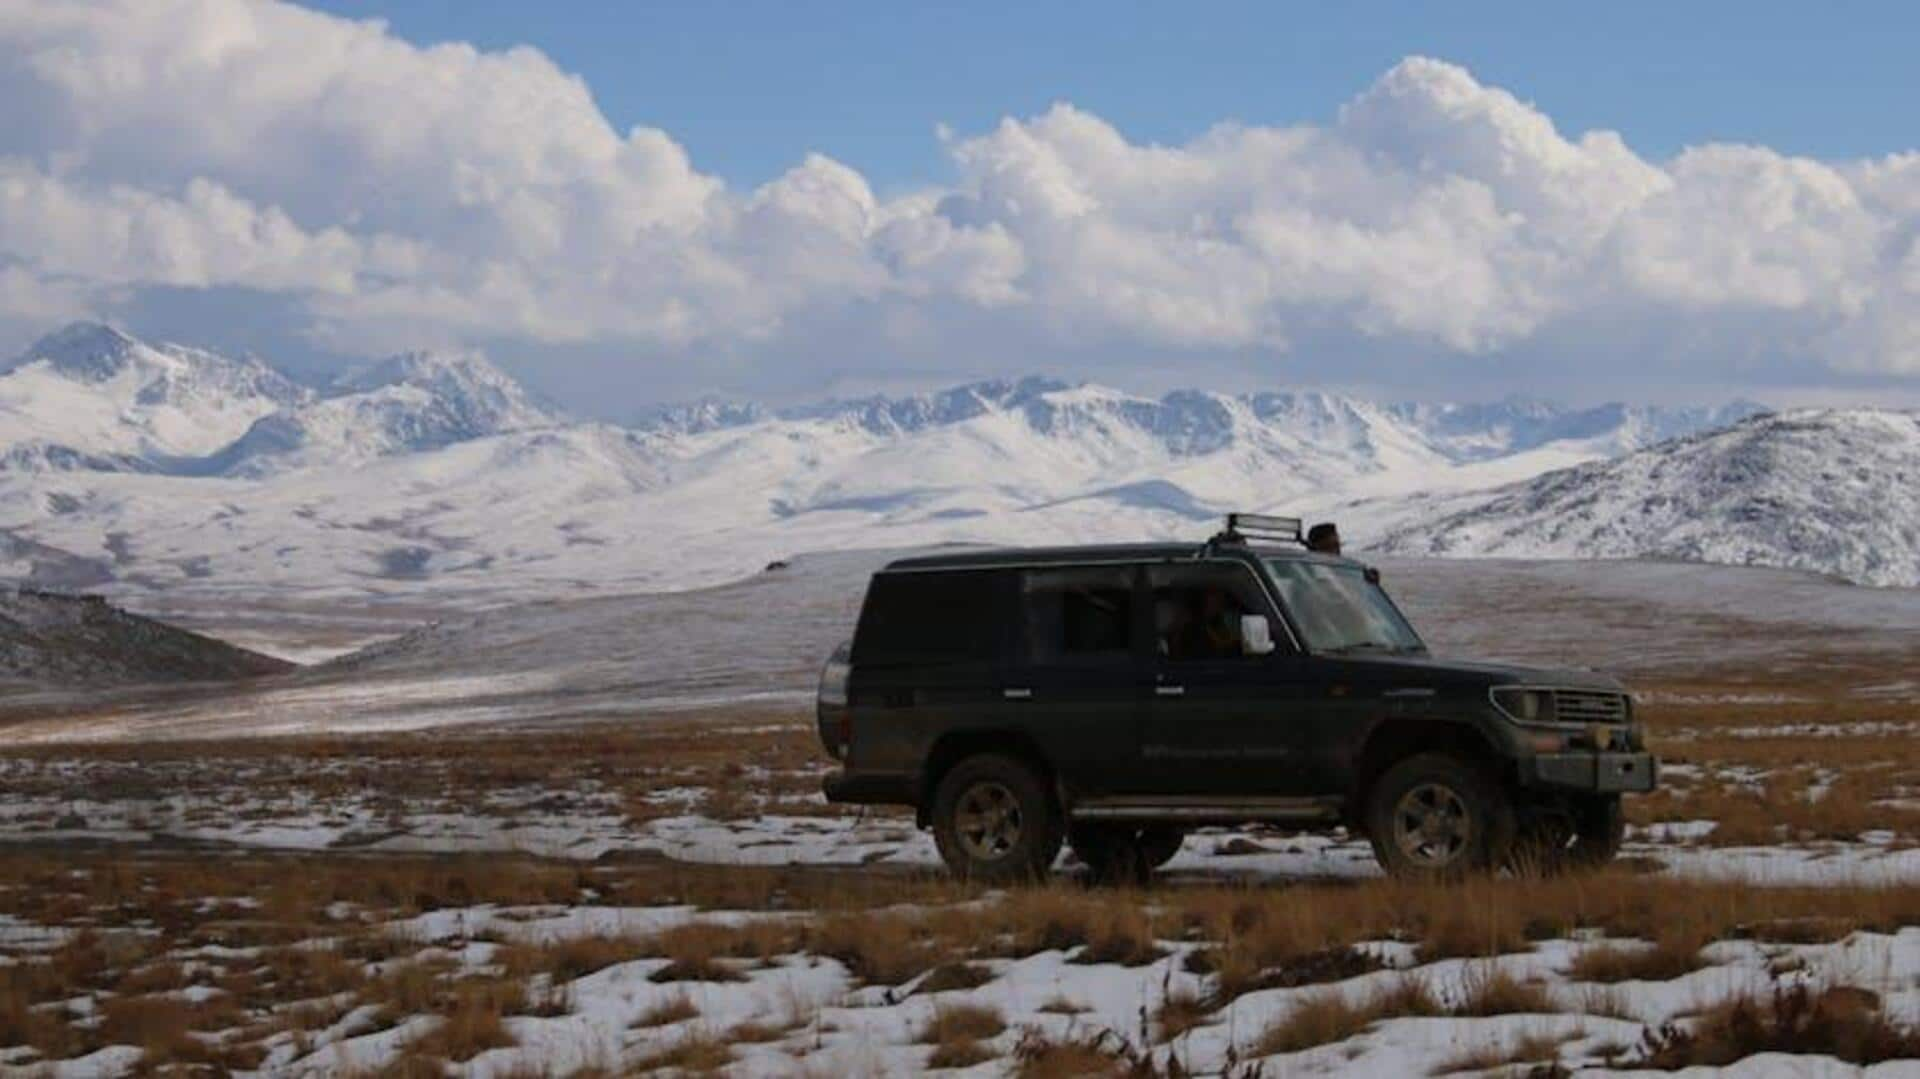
(1218, 720)
(1346, 689)
(1076, 669)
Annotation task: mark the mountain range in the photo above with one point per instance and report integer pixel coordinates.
(134, 467)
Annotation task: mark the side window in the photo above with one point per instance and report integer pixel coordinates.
(1076, 615)
(1197, 609)
(931, 618)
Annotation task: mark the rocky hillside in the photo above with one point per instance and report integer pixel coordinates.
(1834, 490)
(56, 640)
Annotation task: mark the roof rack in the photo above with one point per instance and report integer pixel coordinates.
(1243, 527)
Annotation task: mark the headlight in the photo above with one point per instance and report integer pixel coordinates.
(1526, 705)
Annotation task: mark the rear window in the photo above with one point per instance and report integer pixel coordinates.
(949, 617)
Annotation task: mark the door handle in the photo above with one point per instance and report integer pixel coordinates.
(1016, 693)
(1169, 691)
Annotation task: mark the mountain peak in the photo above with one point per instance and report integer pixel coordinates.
(426, 369)
(407, 403)
(89, 350)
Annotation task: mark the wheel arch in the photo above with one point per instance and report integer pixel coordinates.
(1394, 740)
(955, 746)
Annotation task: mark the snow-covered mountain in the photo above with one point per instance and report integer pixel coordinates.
(1193, 422)
(91, 397)
(1835, 490)
(439, 474)
(407, 404)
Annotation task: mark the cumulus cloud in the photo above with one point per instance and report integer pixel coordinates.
(399, 193)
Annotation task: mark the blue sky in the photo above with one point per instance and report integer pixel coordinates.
(749, 87)
(630, 203)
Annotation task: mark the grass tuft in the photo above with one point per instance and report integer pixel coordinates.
(1845, 1023)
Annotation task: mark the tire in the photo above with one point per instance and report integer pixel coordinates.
(1602, 828)
(995, 822)
(1159, 843)
(1587, 836)
(1123, 854)
(1436, 816)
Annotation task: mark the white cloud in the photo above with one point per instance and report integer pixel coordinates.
(402, 194)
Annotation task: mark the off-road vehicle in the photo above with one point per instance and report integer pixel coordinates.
(1114, 697)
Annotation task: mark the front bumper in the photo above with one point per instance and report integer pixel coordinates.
(867, 788)
(1604, 773)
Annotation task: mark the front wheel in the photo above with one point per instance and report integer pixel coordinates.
(1435, 815)
(995, 822)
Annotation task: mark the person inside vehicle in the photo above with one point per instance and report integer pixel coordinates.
(1211, 629)
(1324, 538)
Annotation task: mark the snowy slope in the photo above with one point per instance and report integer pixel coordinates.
(92, 397)
(1836, 491)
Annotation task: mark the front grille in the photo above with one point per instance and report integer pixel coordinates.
(1589, 706)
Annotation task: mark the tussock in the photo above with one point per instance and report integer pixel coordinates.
(1845, 1023)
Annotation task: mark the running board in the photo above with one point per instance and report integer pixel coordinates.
(1226, 811)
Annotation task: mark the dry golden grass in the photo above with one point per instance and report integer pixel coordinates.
(1323, 1016)
(1845, 1023)
(1101, 1053)
(949, 977)
(1494, 991)
(967, 1021)
(571, 957)
(885, 949)
(1814, 795)
(406, 989)
(1106, 926)
(698, 1051)
(956, 1030)
(1180, 1010)
(1318, 1018)
(674, 1009)
(1531, 1048)
(472, 1018)
(1670, 956)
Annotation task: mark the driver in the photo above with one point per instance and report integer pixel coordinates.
(1211, 630)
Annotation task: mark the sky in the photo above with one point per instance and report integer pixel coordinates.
(629, 203)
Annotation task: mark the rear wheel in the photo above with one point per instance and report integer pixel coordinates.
(994, 821)
(1435, 815)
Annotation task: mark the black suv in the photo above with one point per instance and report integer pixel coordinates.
(1113, 697)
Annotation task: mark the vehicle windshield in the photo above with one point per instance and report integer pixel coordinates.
(1338, 610)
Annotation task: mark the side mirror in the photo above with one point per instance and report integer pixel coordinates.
(1256, 635)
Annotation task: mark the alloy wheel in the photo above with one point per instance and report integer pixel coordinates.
(987, 820)
(1431, 826)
